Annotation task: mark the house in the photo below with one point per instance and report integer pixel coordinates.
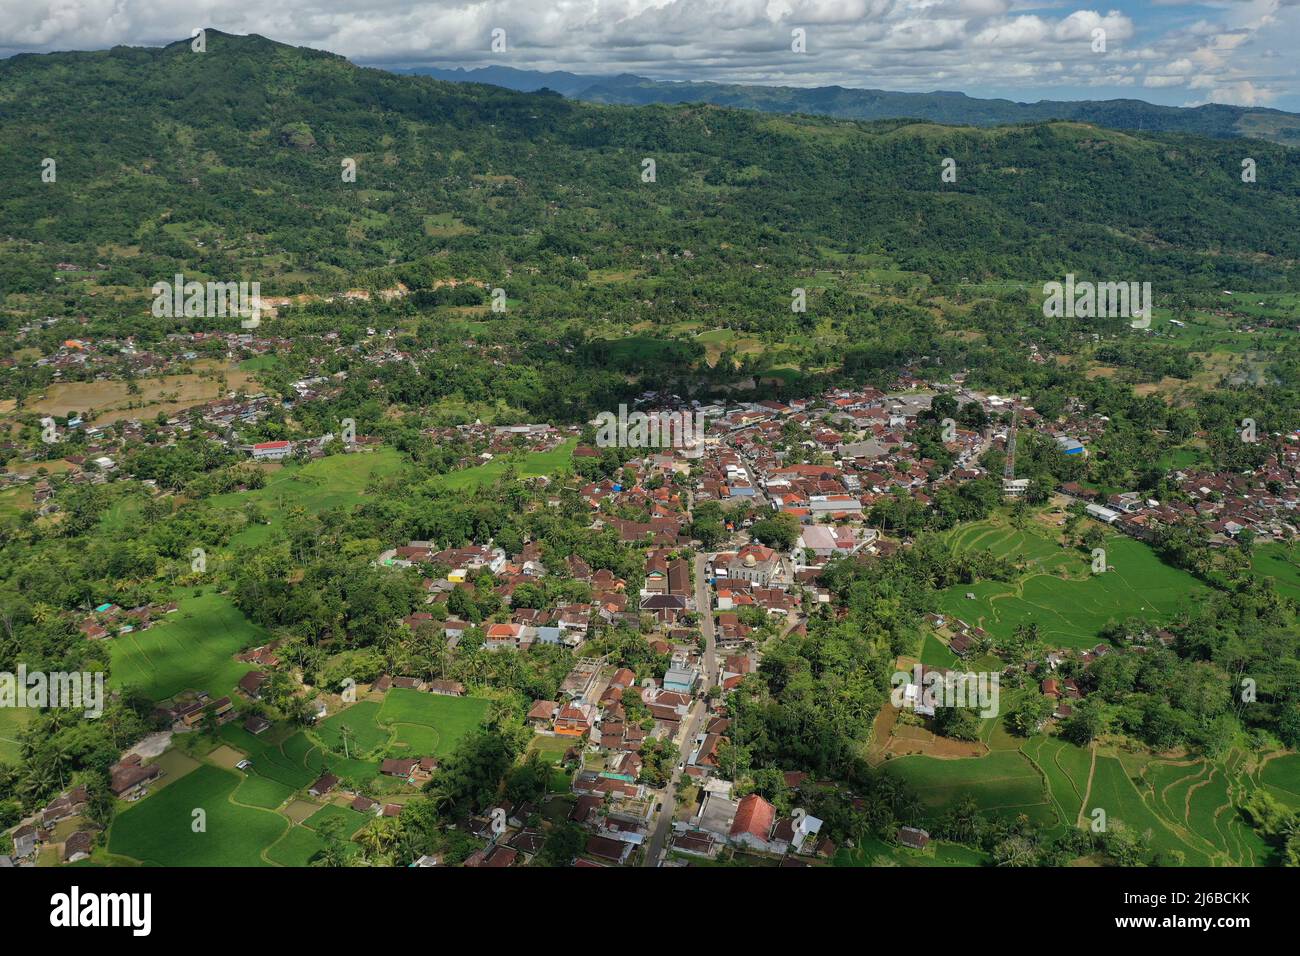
(128, 777)
(681, 679)
(605, 848)
(398, 768)
(363, 804)
(65, 806)
(447, 688)
(542, 713)
(25, 839)
(251, 684)
(323, 785)
(913, 837)
(752, 826)
(272, 450)
(575, 720)
(256, 725)
(503, 636)
(78, 846)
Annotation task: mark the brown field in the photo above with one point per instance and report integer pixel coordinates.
(110, 401)
(224, 756)
(300, 810)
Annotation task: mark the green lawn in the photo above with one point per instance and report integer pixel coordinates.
(158, 830)
(291, 760)
(352, 820)
(1069, 604)
(192, 648)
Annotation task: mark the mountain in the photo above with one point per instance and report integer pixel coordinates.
(1215, 120)
(228, 163)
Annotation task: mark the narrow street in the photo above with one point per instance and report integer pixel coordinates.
(695, 718)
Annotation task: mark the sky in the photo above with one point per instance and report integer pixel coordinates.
(1243, 52)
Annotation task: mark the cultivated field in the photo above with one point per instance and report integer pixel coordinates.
(111, 400)
(429, 724)
(1058, 592)
(192, 648)
(159, 829)
(338, 481)
(542, 464)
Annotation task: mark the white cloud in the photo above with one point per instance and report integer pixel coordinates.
(1240, 48)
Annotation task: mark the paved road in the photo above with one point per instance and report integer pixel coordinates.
(704, 605)
(694, 720)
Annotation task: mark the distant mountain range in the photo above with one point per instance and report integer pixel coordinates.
(1217, 121)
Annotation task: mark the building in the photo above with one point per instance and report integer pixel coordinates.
(272, 450)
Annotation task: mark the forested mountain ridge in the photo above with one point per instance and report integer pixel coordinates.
(228, 162)
(1217, 120)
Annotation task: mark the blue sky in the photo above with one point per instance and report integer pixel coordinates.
(1245, 52)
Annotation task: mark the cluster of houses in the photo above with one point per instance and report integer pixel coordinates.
(1263, 502)
(109, 620)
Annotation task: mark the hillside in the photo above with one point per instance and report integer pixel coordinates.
(228, 162)
(1215, 120)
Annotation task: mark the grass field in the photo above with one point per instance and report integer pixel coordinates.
(366, 734)
(557, 461)
(1188, 807)
(338, 481)
(1281, 777)
(1281, 563)
(158, 830)
(1003, 783)
(12, 720)
(192, 648)
(291, 760)
(352, 820)
(873, 852)
(1058, 592)
(429, 724)
(111, 400)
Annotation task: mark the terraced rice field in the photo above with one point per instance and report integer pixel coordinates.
(159, 830)
(1181, 809)
(1058, 592)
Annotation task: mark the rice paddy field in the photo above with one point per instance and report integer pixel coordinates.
(1058, 592)
(192, 648)
(338, 481)
(1281, 563)
(429, 724)
(159, 830)
(260, 816)
(12, 720)
(541, 464)
(1183, 810)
